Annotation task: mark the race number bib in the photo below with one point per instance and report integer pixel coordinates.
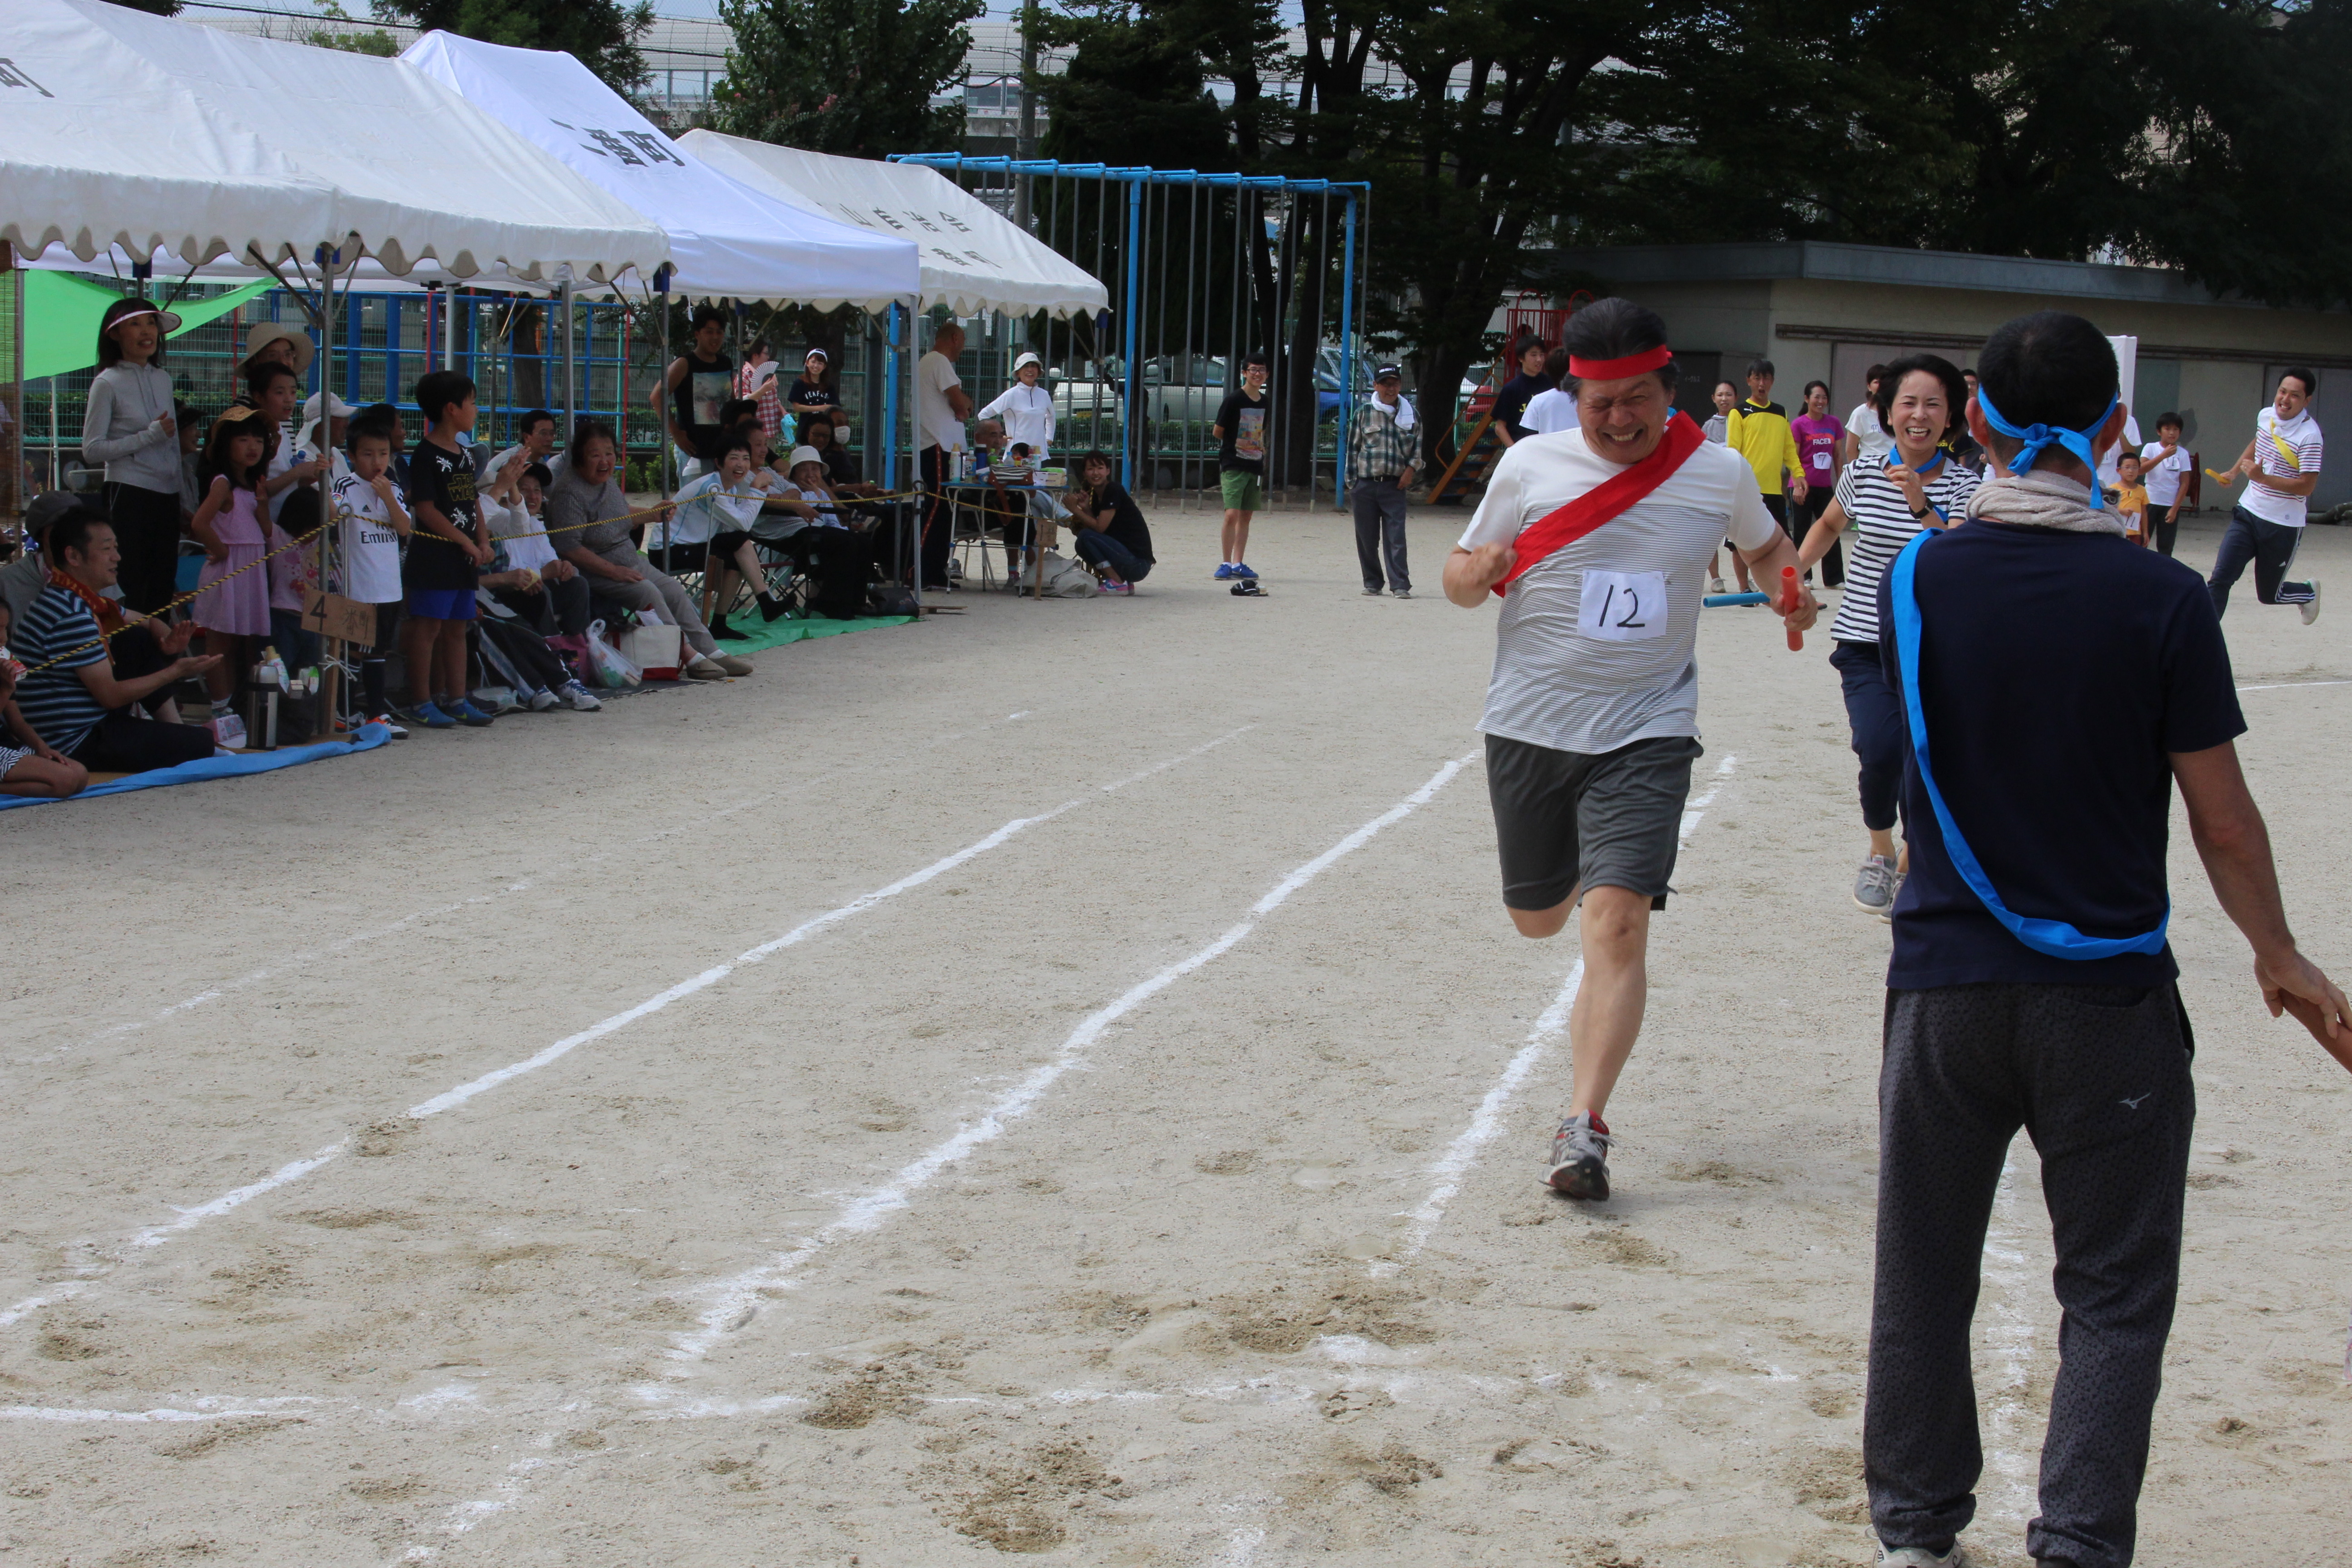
(1622, 607)
(1821, 460)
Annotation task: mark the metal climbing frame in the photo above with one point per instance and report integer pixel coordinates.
(1207, 269)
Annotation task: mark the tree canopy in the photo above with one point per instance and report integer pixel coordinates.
(602, 34)
(853, 77)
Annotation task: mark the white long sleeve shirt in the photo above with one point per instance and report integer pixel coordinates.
(123, 427)
(1028, 415)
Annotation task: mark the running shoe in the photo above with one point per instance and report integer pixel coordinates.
(1580, 1157)
(1242, 571)
(1372, 592)
(1403, 593)
(2311, 606)
(1715, 584)
(1224, 570)
(544, 700)
(1119, 588)
(398, 731)
(428, 714)
(1917, 1556)
(1875, 885)
(465, 712)
(579, 698)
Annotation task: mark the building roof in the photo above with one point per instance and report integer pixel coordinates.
(1829, 262)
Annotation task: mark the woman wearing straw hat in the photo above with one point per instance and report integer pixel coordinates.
(129, 427)
(1026, 408)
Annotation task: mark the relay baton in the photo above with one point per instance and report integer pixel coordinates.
(1789, 592)
(1717, 601)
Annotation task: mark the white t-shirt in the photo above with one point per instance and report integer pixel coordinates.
(1028, 416)
(936, 424)
(280, 461)
(2163, 474)
(709, 506)
(370, 546)
(1864, 422)
(2287, 450)
(524, 536)
(1632, 675)
(1550, 412)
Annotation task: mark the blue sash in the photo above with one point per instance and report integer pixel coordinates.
(2055, 938)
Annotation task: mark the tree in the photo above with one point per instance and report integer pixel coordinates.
(853, 77)
(152, 7)
(603, 35)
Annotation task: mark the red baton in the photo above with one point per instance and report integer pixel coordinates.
(1788, 605)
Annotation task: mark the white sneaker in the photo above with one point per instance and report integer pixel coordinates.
(542, 699)
(228, 730)
(2311, 606)
(1917, 1557)
(579, 697)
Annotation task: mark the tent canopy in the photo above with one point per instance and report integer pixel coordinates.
(62, 313)
(725, 239)
(973, 259)
(128, 128)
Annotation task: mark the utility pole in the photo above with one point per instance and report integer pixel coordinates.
(1027, 147)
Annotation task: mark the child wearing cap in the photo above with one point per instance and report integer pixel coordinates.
(1026, 408)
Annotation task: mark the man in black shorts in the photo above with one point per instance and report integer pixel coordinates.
(1598, 540)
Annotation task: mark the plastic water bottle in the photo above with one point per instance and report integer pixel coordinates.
(273, 668)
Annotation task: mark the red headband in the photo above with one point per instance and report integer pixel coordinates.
(1617, 369)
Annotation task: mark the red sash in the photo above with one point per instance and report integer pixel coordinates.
(1606, 500)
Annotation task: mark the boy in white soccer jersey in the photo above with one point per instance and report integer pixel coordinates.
(374, 525)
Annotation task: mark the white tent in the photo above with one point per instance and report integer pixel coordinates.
(973, 259)
(132, 130)
(725, 239)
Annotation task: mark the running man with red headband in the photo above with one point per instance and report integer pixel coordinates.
(1597, 541)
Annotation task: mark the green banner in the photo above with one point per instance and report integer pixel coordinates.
(62, 312)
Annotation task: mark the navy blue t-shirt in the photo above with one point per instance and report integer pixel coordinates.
(2057, 670)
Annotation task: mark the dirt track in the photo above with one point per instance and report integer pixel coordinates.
(1028, 1207)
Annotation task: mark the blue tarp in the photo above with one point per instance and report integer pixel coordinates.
(371, 736)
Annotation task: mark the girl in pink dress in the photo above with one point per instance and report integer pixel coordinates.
(232, 606)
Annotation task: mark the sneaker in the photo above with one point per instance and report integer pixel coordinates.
(1917, 1556)
(579, 698)
(1875, 885)
(429, 714)
(1580, 1157)
(1242, 571)
(463, 710)
(1119, 588)
(1715, 584)
(955, 572)
(542, 701)
(1403, 593)
(398, 731)
(228, 732)
(1224, 570)
(1372, 592)
(2311, 606)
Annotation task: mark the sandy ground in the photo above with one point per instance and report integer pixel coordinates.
(1118, 1140)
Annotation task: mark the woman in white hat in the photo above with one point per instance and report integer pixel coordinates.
(1026, 408)
(290, 346)
(129, 427)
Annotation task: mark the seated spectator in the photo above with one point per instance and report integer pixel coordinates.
(591, 521)
(29, 765)
(1108, 527)
(85, 683)
(809, 523)
(22, 580)
(891, 523)
(555, 603)
(716, 516)
(537, 445)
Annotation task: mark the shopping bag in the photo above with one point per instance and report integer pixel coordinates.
(605, 663)
(656, 650)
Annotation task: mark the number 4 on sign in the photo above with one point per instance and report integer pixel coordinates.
(1622, 607)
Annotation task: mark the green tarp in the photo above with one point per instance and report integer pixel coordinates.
(759, 633)
(62, 313)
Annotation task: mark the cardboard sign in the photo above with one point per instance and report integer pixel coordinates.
(332, 615)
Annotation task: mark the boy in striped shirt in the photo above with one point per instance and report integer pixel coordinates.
(2282, 463)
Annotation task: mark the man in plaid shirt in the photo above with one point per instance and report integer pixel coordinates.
(1381, 443)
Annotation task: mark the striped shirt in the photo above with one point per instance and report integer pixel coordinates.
(1879, 516)
(2286, 450)
(54, 701)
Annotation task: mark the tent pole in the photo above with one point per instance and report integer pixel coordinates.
(1134, 385)
(1347, 349)
(570, 368)
(331, 654)
(449, 326)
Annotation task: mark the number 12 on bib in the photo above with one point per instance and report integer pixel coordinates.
(1622, 607)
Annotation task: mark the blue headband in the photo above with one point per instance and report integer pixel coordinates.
(2040, 437)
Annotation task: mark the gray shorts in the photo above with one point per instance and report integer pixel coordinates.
(1568, 820)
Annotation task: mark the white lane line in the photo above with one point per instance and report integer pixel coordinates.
(2284, 685)
(240, 982)
(1463, 1152)
(295, 1170)
(207, 1410)
(1487, 1121)
(734, 1301)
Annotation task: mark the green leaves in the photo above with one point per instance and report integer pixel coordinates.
(601, 34)
(853, 77)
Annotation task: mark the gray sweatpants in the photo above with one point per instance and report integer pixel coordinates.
(2098, 1075)
(1380, 528)
(662, 592)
